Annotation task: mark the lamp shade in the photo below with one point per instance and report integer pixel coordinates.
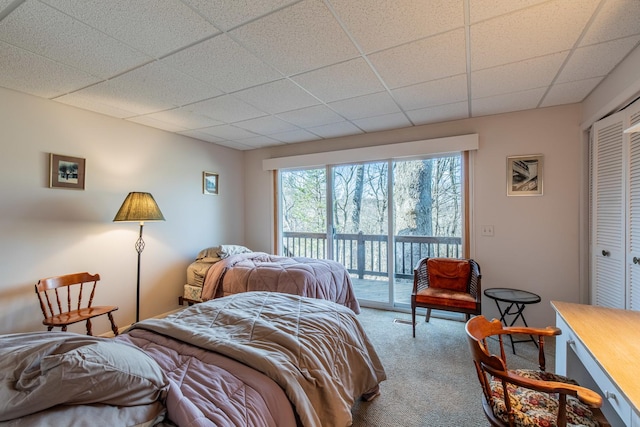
(139, 207)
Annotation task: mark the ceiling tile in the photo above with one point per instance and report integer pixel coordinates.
(156, 27)
(155, 123)
(375, 104)
(259, 141)
(384, 122)
(227, 132)
(266, 125)
(506, 103)
(33, 74)
(38, 28)
(441, 113)
(336, 130)
(92, 103)
(540, 30)
(202, 135)
(518, 76)
(150, 88)
(437, 92)
(568, 93)
(184, 118)
(596, 60)
(235, 145)
(311, 116)
(340, 81)
(217, 61)
(616, 19)
(227, 14)
(277, 97)
(295, 136)
(480, 10)
(428, 59)
(295, 39)
(380, 24)
(226, 109)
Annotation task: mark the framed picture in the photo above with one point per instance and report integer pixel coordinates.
(66, 172)
(524, 175)
(209, 183)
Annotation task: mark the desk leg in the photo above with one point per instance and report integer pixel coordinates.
(518, 313)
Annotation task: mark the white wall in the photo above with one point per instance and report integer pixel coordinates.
(47, 232)
(536, 241)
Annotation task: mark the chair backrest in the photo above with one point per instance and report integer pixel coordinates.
(449, 273)
(468, 271)
(50, 291)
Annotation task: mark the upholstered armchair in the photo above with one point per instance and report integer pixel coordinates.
(448, 284)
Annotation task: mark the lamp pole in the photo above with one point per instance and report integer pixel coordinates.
(139, 249)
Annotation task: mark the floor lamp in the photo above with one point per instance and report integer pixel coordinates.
(139, 207)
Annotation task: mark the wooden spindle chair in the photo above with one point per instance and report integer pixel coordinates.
(57, 314)
(527, 397)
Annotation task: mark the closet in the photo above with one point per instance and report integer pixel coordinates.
(615, 211)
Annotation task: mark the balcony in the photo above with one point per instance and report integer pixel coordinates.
(365, 257)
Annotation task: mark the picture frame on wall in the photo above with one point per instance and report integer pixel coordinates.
(525, 175)
(210, 183)
(66, 172)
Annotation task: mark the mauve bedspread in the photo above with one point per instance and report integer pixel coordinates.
(259, 271)
(314, 349)
(208, 389)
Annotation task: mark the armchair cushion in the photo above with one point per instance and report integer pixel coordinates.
(534, 408)
(446, 273)
(446, 298)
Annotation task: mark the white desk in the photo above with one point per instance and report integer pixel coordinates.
(600, 348)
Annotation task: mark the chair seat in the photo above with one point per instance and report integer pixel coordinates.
(534, 408)
(78, 315)
(445, 298)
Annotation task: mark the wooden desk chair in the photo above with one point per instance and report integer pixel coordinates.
(448, 284)
(60, 317)
(526, 397)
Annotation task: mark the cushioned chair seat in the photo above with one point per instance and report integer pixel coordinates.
(534, 408)
(445, 297)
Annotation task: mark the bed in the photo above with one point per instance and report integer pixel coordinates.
(229, 269)
(253, 358)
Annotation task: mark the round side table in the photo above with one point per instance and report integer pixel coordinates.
(514, 302)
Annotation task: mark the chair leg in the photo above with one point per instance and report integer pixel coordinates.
(114, 327)
(413, 320)
(89, 332)
(428, 316)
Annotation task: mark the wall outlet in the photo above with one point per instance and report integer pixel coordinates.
(487, 230)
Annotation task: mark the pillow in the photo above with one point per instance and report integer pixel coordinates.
(42, 370)
(228, 250)
(211, 252)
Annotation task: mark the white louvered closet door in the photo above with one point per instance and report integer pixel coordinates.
(608, 218)
(633, 209)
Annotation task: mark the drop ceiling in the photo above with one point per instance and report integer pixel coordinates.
(248, 74)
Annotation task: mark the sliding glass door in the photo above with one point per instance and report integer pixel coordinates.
(375, 218)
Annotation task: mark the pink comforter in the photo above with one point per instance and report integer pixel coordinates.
(259, 271)
(208, 389)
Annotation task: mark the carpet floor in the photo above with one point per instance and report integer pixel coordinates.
(431, 380)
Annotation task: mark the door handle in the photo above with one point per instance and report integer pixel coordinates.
(636, 260)
(605, 253)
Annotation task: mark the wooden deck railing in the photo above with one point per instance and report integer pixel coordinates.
(366, 254)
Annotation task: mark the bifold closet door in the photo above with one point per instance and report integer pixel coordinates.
(608, 200)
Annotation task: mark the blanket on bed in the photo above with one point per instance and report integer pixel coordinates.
(208, 389)
(259, 271)
(314, 349)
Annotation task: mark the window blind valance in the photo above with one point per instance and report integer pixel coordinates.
(452, 144)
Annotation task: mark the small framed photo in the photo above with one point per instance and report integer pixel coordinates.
(66, 172)
(209, 183)
(524, 175)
